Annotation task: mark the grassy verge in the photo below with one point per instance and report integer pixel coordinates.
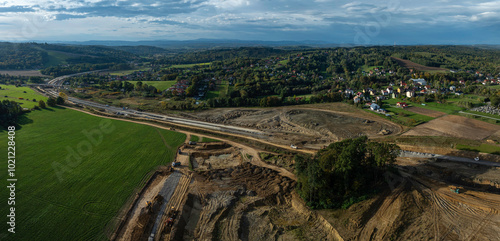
(194, 138)
(206, 139)
(486, 148)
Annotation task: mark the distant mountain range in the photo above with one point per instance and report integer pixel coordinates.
(205, 43)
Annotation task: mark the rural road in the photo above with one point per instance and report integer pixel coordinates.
(448, 158)
(166, 192)
(461, 112)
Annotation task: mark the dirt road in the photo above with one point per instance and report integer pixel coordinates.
(166, 192)
(448, 158)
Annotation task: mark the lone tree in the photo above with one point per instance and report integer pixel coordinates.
(343, 172)
(51, 102)
(41, 104)
(59, 100)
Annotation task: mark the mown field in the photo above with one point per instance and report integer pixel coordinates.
(203, 139)
(14, 93)
(160, 85)
(126, 72)
(71, 186)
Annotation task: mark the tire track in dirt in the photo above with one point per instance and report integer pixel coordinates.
(163, 138)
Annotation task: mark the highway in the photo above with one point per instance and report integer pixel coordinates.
(160, 117)
(59, 80)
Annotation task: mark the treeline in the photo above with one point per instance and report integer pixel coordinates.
(72, 69)
(218, 55)
(344, 172)
(10, 111)
(452, 57)
(90, 53)
(19, 56)
(19, 80)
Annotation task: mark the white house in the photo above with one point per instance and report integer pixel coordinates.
(419, 81)
(374, 106)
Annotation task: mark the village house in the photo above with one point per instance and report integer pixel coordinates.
(419, 81)
(402, 104)
(410, 93)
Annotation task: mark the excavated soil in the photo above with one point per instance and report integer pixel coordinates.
(420, 206)
(302, 127)
(229, 196)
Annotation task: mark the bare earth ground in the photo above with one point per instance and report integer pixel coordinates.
(427, 112)
(411, 65)
(455, 126)
(23, 73)
(301, 126)
(232, 195)
(421, 206)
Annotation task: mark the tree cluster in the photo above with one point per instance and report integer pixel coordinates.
(343, 171)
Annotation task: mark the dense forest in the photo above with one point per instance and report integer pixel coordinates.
(17, 56)
(10, 112)
(344, 172)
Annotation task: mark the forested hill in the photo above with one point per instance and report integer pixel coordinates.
(19, 56)
(221, 54)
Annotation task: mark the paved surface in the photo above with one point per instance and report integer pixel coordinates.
(166, 192)
(154, 116)
(448, 158)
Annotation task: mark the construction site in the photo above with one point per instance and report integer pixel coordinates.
(225, 191)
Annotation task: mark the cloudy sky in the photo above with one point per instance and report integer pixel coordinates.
(335, 21)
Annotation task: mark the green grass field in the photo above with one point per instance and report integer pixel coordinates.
(161, 85)
(127, 72)
(486, 148)
(403, 116)
(194, 138)
(65, 196)
(450, 107)
(14, 93)
(203, 139)
(206, 139)
(185, 66)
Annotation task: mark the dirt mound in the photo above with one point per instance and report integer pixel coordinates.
(308, 128)
(245, 202)
(455, 126)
